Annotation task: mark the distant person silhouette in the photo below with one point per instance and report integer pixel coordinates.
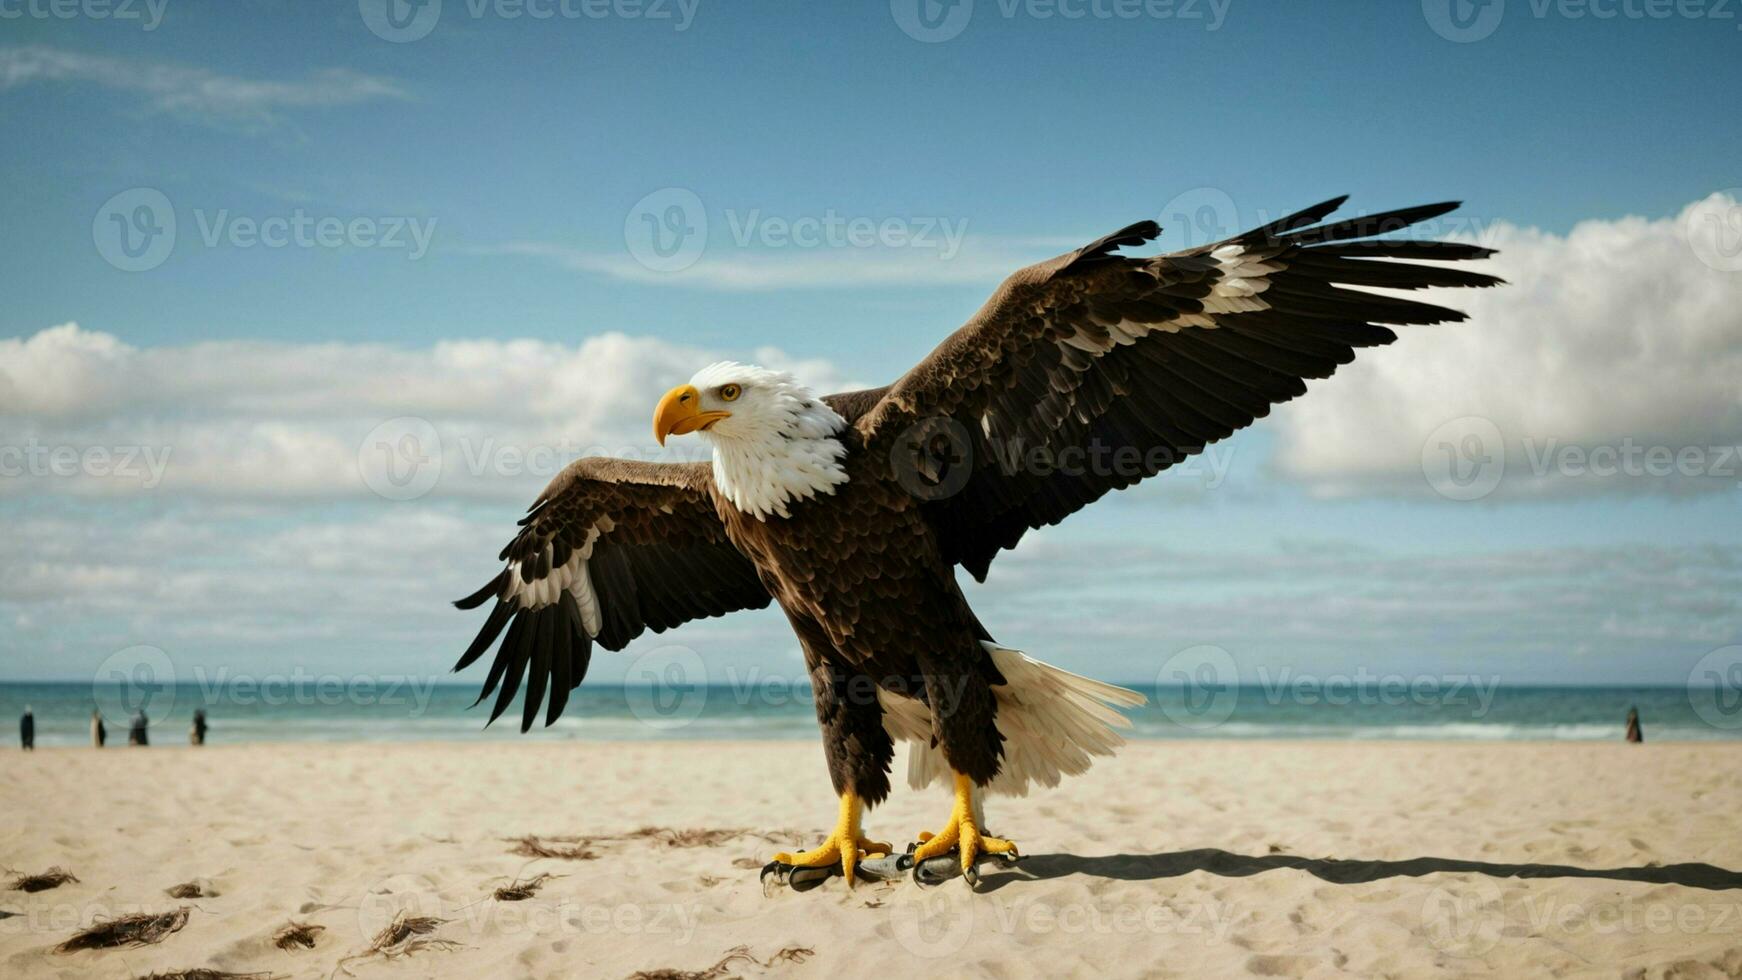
(99, 734)
(1634, 733)
(197, 734)
(136, 733)
(27, 730)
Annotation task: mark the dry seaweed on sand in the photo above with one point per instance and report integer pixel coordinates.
(188, 889)
(690, 837)
(535, 847)
(582, 848)
(737, 954)
(519, 891)
(296, 934)
(405, 935)
(208, 975)
(141, 929)
(408, 934)
(52, 878)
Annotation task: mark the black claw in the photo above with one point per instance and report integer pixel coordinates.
(804, 879)
(937, 870)
(797, 877)
(972, 876)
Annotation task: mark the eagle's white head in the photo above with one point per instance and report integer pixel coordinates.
(775, 442)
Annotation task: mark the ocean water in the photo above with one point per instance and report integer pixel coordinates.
(403, 710)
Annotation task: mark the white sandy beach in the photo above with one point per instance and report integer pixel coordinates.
(1189, 859)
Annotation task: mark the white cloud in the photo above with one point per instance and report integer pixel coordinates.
(321, 586)
(193, 91)
(980, 261)
(1615, 335)
(335, 587)
(250, 419)
(1614, 612)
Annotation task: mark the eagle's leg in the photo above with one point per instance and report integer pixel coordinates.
(858, 751)
(845, 844)
(962, 833)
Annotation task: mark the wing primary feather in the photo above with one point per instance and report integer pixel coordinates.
(492, 588)
(1102, 248)
(1299, 219)
(1397, 248)
(583, 656)
(562, 656)
(517, 654)
(499, 666)
(499, 616)
(1372, 225)
(538, 667)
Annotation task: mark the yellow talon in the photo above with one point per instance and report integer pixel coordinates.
(961, 833)
(845, 844)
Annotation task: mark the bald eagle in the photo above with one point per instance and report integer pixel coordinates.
(1083, 374)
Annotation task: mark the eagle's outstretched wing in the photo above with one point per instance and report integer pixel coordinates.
(1092, 371)
(610, 549)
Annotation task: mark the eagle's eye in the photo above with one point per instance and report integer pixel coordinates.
(729, 393)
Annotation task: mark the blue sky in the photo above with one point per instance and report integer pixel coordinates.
(527, 150)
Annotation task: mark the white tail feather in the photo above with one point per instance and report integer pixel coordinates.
(1053, 721)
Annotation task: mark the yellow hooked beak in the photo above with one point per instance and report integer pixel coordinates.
(680, 413)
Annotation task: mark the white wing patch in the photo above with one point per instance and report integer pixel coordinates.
(573, 577)
(1054, 723)
(1239, 281)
